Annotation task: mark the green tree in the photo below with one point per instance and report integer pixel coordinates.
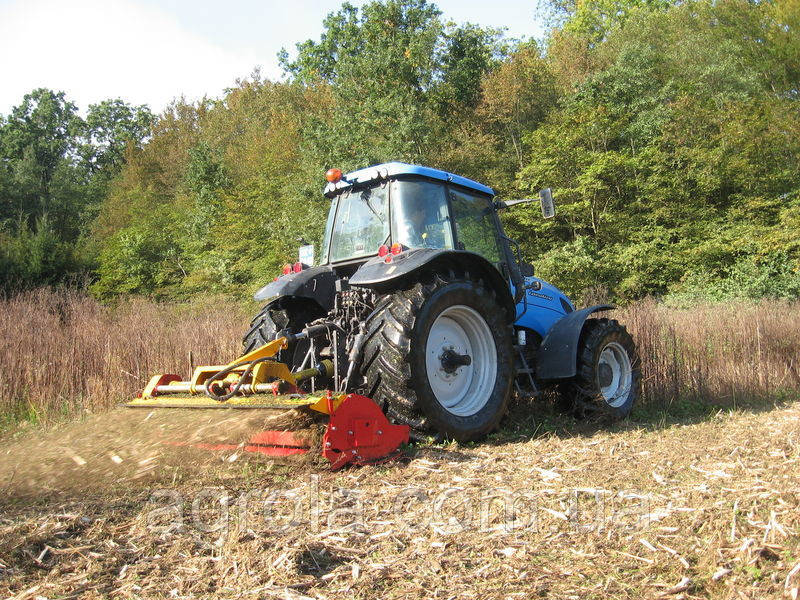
(111, 127)
(673, 157)
(595, 19)
(395, 70)
(37, 143)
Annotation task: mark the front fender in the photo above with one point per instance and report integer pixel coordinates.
(316, 283)
(558, 354)
(377, 274)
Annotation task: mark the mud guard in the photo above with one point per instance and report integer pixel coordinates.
(380, 275)
(316, 283)
(558, 354)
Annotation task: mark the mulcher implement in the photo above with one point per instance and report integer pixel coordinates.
(357, 431)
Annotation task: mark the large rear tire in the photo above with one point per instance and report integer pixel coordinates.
(274, 318)
(438, 357)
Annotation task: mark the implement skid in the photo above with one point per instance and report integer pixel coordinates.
(357, 433)
(360, 433)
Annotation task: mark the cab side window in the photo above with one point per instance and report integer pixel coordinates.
(474, 225)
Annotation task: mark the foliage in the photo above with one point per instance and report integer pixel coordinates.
(397, 73)
(669, 132)
(676, 160)
(54, 172)
(36, 254)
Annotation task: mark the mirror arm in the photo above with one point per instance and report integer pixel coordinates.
(500, 204)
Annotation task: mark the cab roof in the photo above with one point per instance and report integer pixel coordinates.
(394, 169)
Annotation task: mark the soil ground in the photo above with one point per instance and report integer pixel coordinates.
(700, 506)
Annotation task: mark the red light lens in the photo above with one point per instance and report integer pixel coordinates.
(287, 269)
(298, 266)
(383, 250)
(333, 175)
(397, 248)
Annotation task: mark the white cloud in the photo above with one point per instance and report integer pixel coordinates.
(97, 49)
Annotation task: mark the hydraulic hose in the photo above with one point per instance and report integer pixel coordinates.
(222, 398)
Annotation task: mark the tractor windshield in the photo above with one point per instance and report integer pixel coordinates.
(358, 223)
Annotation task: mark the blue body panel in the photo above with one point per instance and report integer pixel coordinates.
(393, 169)
(540, 309)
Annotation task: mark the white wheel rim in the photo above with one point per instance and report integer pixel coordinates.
(614, 374)
(466, 389)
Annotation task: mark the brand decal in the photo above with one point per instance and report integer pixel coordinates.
(538, 295)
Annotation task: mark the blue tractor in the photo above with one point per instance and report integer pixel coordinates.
(420, 302)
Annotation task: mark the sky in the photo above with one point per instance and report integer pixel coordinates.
(152, 51)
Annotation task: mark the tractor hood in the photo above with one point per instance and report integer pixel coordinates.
(396, 169)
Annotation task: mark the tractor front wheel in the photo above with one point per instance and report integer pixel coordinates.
(438, 357)
(609, 375)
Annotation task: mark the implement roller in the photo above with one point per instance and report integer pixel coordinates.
(357, 431)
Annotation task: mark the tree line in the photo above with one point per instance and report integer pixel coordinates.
(669, 132)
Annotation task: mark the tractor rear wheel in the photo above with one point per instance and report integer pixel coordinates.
(609, 375)
(274, 318)
(438, 357)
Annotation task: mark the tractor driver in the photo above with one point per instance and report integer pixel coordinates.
(422, 226)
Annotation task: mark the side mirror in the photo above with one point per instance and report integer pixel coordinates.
(548, 206)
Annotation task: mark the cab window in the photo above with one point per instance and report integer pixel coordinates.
(361, 224)
(475, 229)
(419, 215)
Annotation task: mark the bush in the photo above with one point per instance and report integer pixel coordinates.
(750, 278)
(29, 258)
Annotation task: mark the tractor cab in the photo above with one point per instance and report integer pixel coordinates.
(397, 207)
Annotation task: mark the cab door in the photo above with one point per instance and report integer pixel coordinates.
(473, 218)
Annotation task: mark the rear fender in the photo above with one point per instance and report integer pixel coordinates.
(381, 276)
(317, 284)
(558, 354)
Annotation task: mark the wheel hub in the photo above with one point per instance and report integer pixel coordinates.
(451, 360)
(605, 374)
(614, 374)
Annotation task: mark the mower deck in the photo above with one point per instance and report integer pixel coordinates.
(285, 401)
(357, 433)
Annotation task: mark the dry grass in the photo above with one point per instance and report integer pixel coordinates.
(719, 355)
(61, 353)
